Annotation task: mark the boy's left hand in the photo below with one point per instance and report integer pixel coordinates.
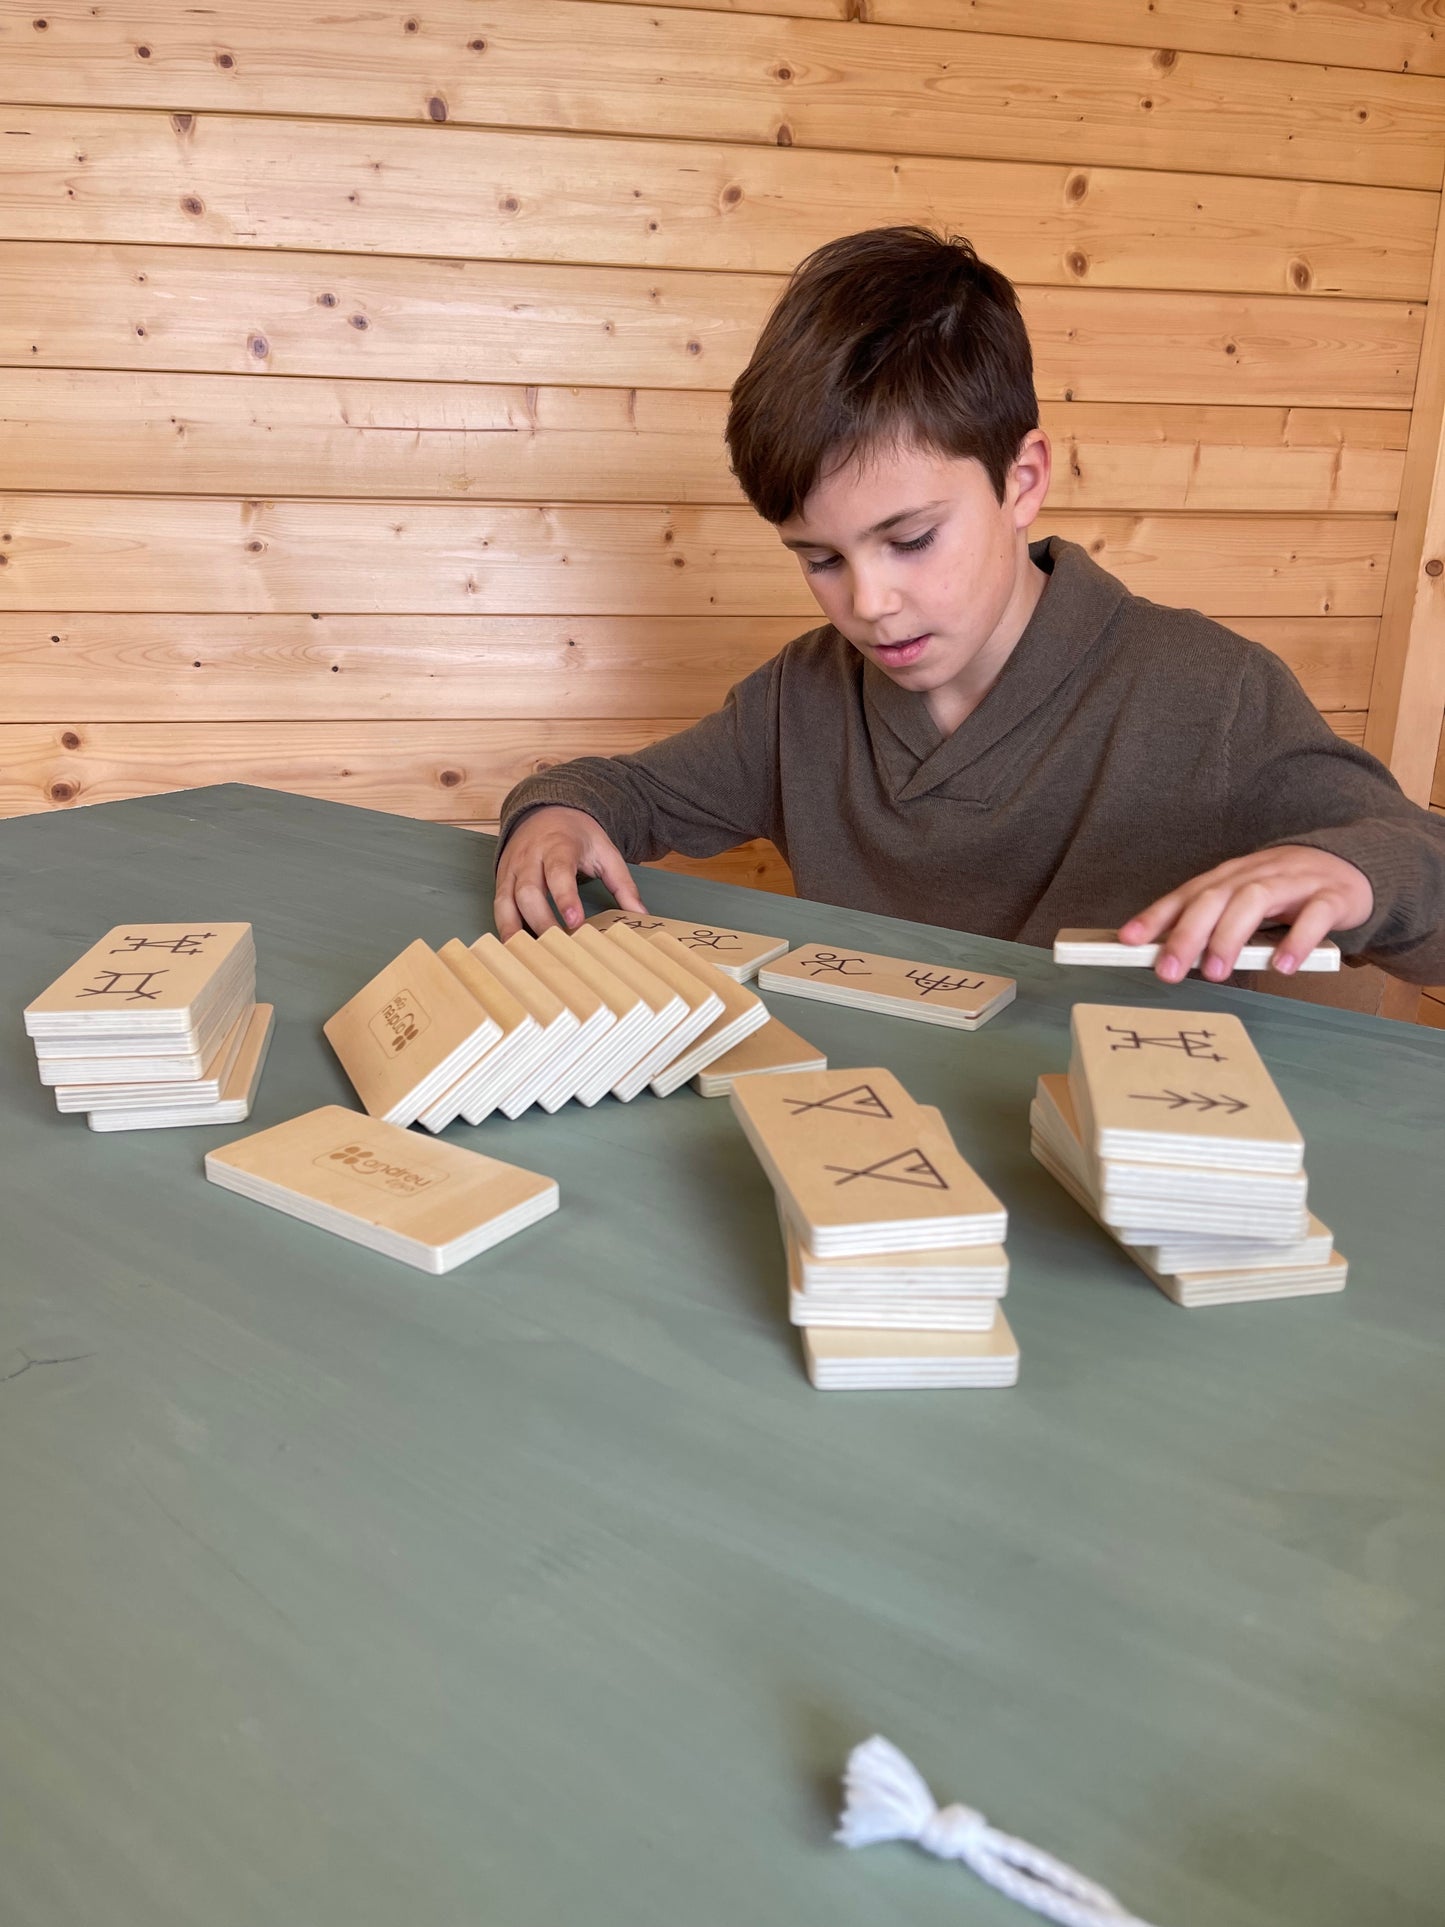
(1213, 916)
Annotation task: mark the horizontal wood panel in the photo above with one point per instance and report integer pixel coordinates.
(69, 430)
(1393, 36)
(584, 66)
(779, 9)
(445, 772)
(211, 310)
(1403, 36)
(240, 668)
(69, 174)
(154, 554)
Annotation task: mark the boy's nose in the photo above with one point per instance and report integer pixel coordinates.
(874, 597)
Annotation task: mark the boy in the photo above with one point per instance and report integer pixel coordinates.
(986, 734)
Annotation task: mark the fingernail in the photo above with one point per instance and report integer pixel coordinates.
(1171, 970)
(1284, 965)
(572, 916)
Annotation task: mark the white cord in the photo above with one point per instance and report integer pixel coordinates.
(887, 1798)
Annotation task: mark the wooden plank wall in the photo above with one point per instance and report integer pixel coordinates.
(362, 373)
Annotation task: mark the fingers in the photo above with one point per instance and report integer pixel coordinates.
(560, 871)
(1211, 917)
(1313, 924)
(1242, 915)
(505, 914)
(536, 910)
(1158, 916)
(618, 878)
(1183, 945)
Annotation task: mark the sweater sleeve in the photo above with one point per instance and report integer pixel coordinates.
(699, 792)
(1291, 779)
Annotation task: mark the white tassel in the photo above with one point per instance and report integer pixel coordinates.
(887, 1798)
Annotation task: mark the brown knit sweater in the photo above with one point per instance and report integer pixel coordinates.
(1124, 748)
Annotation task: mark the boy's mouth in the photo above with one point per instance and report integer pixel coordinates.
(898, 655)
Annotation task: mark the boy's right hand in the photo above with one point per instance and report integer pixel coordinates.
(545, 854)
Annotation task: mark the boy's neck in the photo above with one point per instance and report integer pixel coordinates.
(955, 701)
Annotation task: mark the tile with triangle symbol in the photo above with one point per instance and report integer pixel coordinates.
(858, 1166)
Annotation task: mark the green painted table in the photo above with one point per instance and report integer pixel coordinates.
(548, 1594)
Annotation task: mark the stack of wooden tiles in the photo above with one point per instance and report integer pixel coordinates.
(467, 1031)
(155, 1027)
(1170, 1131)
(894, 1245)
(741, 955)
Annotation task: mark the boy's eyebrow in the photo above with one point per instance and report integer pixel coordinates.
(878, 528)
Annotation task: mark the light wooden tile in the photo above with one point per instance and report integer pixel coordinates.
(930, 993)
(408, 1034)
(1177, 1087)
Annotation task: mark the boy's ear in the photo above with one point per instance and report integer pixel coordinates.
(1030, 476)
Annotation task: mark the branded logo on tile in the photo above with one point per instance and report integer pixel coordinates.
(400, 1022)
(382, 1173)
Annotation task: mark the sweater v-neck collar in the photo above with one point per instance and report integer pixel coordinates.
(1078, 603)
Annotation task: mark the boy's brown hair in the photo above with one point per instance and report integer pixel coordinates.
(894, 335)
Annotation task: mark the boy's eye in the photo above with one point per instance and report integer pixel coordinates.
(824, 563)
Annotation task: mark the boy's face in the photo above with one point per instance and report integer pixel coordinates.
(913, 558)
